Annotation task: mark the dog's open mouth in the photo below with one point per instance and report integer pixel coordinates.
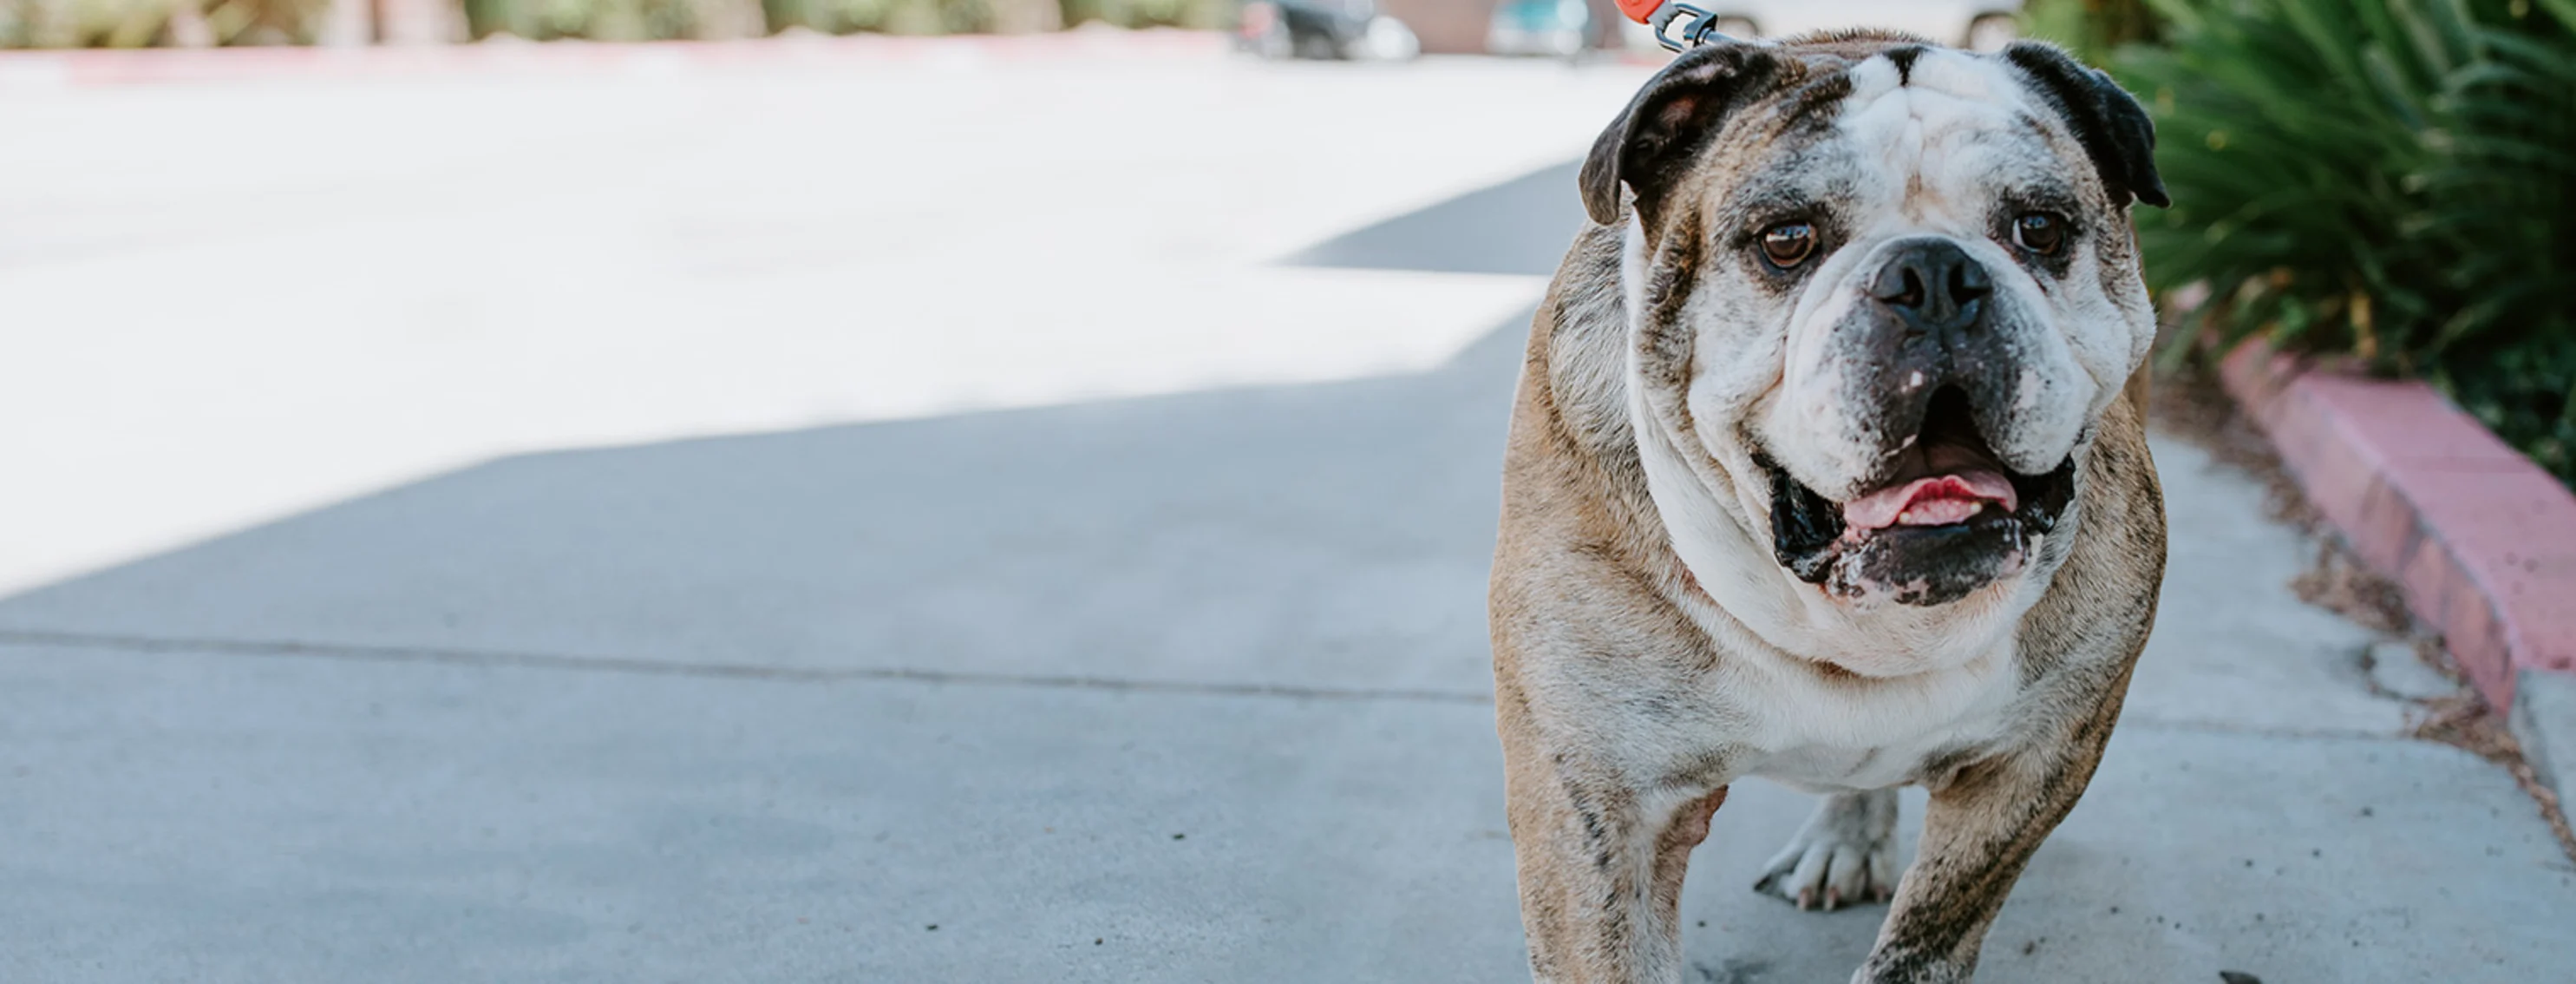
(1947, 519)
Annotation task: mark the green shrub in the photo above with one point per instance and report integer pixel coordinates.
(831, 16)
(2090, 29)
(136, 23)
(614, 20)
(2393, 180)
(1149, 13)
(83, 23)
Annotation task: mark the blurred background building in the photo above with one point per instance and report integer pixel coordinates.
(1526, 27)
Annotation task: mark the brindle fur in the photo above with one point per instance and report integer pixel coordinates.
(1609, 696)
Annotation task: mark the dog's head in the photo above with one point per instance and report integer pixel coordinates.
(1880, 293)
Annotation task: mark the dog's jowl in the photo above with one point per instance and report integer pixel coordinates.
(1825, 468)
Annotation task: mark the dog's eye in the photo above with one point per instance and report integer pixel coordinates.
(1789, 243)
(2039, 232)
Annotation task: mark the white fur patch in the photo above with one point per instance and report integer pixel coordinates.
(1633, 264)
(1924, 678)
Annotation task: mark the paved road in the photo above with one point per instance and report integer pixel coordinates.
(1067, 570)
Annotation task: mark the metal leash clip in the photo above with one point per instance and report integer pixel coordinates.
(1681, 27)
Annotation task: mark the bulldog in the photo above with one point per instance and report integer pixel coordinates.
(1827, 465)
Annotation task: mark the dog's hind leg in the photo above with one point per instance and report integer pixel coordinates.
(1843, 856)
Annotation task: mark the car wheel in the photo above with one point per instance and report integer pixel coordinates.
(1275, 44)
(1387, 39)
(1262, 31)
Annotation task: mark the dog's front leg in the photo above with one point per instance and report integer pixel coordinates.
(1983, 825)
(1601, 864)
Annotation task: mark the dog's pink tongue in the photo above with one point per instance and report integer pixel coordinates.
(1938, 500)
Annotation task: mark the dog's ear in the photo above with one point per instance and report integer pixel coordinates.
(1676, 113)
(2113, 128)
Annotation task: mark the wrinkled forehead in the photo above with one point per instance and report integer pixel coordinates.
(1918, 132)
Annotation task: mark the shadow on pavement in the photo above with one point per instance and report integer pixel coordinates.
(1325, 537)
(1178, 688)
(1519, 226)
(1172, 689)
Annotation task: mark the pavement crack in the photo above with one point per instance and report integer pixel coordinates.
(651, 667)
(361, 652)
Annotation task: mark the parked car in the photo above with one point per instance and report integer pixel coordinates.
(1351, 30)
(1977, 25)
(1561, 28)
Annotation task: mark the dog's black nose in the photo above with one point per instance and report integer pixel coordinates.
(1935, 285)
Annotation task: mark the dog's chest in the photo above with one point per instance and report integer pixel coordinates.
(1876, 734)
(1829, 768)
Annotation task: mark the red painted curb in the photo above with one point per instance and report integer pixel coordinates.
(2481, 539)
(95, 67)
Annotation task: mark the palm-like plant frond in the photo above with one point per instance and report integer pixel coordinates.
(2391, 179)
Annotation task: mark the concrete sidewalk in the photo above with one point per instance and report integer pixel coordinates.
(1176, 687)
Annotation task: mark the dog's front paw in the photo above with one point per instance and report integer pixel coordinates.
(1845, 855)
